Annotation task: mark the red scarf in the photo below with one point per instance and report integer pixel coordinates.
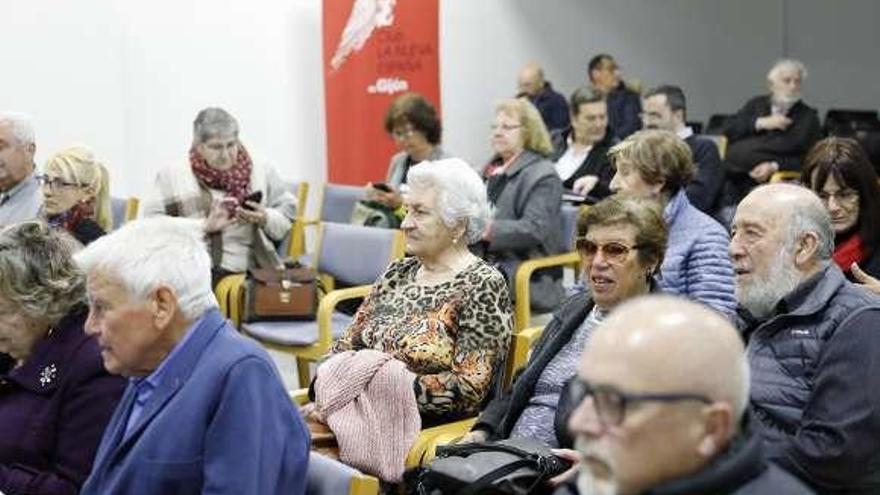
(849, 251)
(234, 181)
(69, 219)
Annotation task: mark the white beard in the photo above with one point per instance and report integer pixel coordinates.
(588, 485)
(761, 295)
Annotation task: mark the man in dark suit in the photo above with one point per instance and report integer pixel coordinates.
(205, 410)
(624, 105)
(550, 103)
(665, 108)
(770, 132)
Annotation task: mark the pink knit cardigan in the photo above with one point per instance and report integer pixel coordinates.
(367, 399)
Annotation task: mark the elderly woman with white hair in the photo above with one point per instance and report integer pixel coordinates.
(76, 194)
(442, 311)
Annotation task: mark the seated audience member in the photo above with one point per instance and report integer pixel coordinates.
(839, 172)
(215, 191)
(442, 311)
(621, 242)
(624, 104)
(770, 132)
(812, 342)
(653, 416)
(665, 108)
(581, 151)
(205, 410)
(413, 123)
(540, 93)
(57, 398)
(20, 197)
(526, 197)
(657, 165)
(76, 192)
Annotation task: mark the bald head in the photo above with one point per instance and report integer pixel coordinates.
(665, 344)
(531, 79)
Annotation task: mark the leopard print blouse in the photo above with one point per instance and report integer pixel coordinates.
(452, 335)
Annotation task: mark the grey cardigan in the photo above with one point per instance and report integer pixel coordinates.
(527, 224)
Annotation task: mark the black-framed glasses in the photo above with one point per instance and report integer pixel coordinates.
(614, 252)
(610, 402)
(55, 182)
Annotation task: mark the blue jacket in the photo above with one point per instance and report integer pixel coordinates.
(696, 264)
(220, 422)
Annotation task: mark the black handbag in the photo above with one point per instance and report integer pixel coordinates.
(516, 466)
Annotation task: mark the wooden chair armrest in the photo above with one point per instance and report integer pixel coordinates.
(524, 274)
(785, 176)
(424, 448)
(328, 304)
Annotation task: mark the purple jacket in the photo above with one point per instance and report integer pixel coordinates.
(53, 410)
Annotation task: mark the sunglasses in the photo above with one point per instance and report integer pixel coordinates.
(613, 252)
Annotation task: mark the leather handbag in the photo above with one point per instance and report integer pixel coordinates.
(279, 294)
(514, 466)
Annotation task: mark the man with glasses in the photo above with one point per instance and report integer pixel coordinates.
(813, 342)
(20, 197)
(655, 416)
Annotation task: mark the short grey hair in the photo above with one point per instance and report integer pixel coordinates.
(213, 122)
(37, 272)
(461, 193)
(21, 124)
(145, 254)
(810, 216)
(787, 63)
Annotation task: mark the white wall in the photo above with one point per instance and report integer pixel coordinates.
(127, 77)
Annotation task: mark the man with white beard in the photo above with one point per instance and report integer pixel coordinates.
(771, 132)
(813, 342)
(661, 395)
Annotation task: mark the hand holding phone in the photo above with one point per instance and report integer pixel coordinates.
(256, 197)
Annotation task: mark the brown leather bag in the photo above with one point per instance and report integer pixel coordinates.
(274, 294)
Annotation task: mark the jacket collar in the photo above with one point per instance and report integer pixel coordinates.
(525, 158)
(677, 203)
(741, 462)
(175, 375)
(44, 369)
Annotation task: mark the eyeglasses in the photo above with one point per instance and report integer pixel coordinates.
(400, 135)
(613, 252)
(55, 182)
(841, 196)
(505, 127)
(610, 403)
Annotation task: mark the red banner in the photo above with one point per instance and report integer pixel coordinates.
(374, 50)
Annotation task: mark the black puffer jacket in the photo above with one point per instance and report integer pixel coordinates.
(815, 378)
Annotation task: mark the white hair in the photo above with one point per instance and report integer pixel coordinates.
(21, 124)
(787, 63)
(461, 194)
(144, 254)
(811, 216)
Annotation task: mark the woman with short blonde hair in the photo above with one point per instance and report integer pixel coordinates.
(526, 197)
(76, 192)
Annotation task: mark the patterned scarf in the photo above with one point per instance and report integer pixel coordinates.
(69, 219)
(235, 181)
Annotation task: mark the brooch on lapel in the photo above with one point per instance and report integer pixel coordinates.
(48, 374)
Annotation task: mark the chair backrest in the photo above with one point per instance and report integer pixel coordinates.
(569, 225)
(123, 210)
(357, 255)
(338, 202)
(118, 207)
(326, 476)
(717, 123)
(293, 243)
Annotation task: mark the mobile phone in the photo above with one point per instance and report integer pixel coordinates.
(382, 186)
(255, 196)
